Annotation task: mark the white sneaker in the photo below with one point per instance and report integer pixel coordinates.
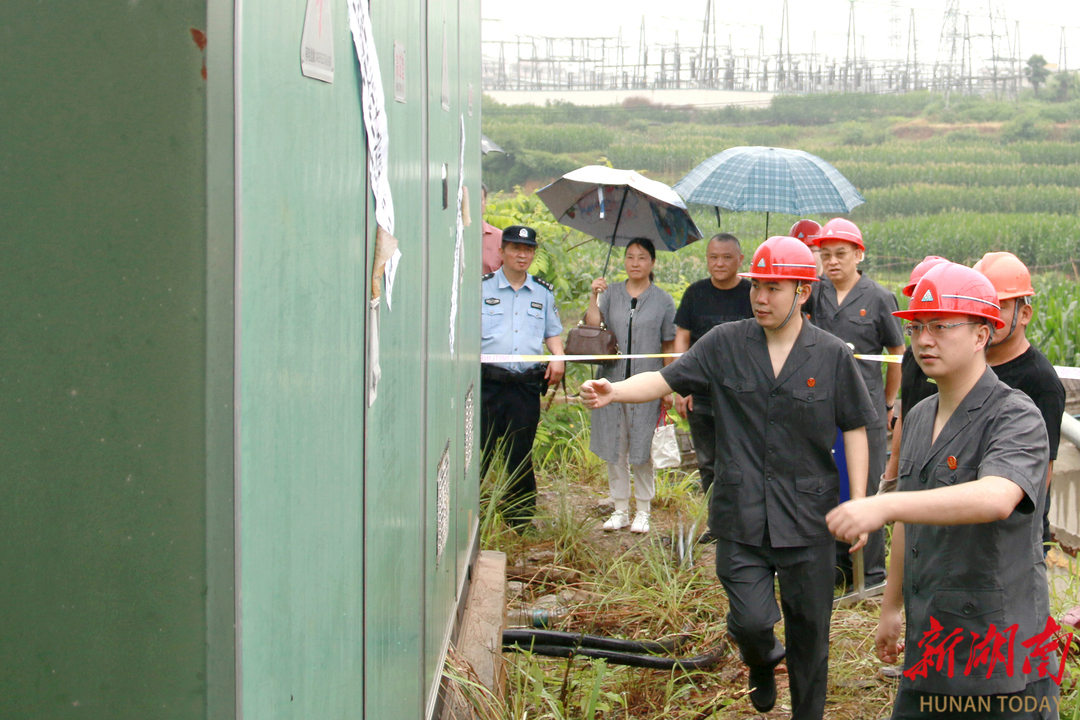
(641, 522)
(617, 521)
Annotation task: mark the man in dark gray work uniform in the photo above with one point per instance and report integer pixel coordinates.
(858, 310)
(967, 564)
(779, 388)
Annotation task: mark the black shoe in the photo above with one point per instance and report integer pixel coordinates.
(706, 538)
(762, 688)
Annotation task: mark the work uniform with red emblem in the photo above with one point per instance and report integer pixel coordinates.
(775, 481)
(863, 319)
(967, 566)
(973, 576)
(779, 388)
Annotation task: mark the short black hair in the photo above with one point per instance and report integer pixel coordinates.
(727, 237)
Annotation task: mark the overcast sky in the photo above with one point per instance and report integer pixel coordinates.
(882, 24)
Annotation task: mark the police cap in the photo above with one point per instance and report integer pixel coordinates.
(519, 234)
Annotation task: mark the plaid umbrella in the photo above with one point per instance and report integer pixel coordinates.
(769, 179)
(617, 206)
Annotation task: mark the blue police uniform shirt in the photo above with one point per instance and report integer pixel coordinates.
(516, 322)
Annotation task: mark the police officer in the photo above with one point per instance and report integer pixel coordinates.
(776, 384)
(858, 310)
(966, 544)
(518, 317)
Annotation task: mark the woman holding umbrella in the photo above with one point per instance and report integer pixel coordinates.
(642, 316)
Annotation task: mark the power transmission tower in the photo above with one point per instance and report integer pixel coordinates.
(783, 60)
(1063, 60)
(501, 78)
(850, 49)
(763, 82)
(967, 66)
(1019, 64)
(950, 38)
(894, 28)
(1001, 58)
(707, 53)
(912, 65)
(993, 53)
(643, 56)
(678, 62)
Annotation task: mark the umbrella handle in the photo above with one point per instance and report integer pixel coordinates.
(610, 248)
(615, 232)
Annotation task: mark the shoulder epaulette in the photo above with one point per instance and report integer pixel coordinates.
(545, 283)
(487, 277)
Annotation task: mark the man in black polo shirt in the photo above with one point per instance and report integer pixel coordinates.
(722, 297)
(1017, 362)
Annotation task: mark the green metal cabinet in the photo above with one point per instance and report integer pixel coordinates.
(202, 517)
(103, 453)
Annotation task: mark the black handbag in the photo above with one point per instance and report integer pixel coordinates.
(591, 340)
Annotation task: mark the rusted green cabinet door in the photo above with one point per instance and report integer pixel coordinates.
(102, 311)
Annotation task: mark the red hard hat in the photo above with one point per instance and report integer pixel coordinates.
(928, 262)
(1008, 275)
(782, 258)
(840, 229)
(954, 289)
(805, 230)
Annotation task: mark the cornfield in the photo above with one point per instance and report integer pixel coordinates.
(555, 138)
(873, 175)
(1055, 327)
(924, 199)
(982, 152)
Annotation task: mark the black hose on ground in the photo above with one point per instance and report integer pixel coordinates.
(528, 641)
(525, 637)
(700, 662)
